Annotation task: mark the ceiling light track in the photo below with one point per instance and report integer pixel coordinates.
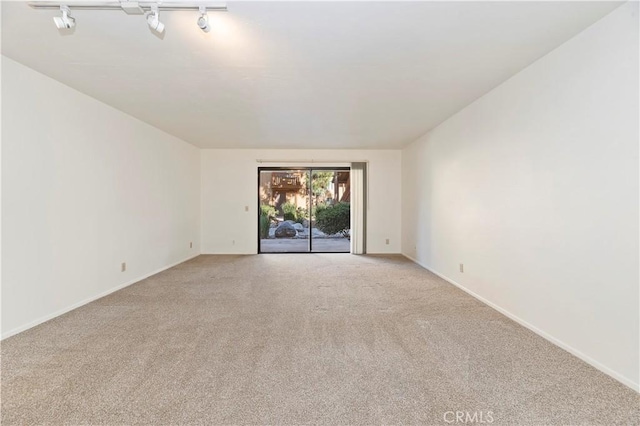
(143, 6)
(151, 10)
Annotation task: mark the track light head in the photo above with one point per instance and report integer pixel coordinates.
(153, 20)
(203, 20)
(66, 21)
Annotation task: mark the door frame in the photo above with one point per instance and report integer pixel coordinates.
(305, 168)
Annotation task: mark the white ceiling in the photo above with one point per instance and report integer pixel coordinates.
(297, 74)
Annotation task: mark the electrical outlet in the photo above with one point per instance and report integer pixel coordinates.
(123, 267)
(233, 242)
(386, 241)
(462, 267)
(246, 208)
(191, 244)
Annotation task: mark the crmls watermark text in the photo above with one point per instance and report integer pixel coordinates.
(468, 417)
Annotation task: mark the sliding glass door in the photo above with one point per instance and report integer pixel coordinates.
(304, 210)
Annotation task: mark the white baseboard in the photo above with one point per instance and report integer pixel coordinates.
(619, 377)
(228, 254)
(89, 300)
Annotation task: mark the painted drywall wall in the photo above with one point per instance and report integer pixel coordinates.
(84, 188)
(534, 188)
(230, 183)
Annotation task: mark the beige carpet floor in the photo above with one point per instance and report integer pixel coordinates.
(298, 339)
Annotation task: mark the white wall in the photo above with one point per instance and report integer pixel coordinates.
(534, 187)
(84, 188)
(230, 182)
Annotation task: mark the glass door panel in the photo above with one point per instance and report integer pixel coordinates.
(331, 212)
(283, 216)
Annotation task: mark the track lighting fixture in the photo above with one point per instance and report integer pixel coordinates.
(150, 8)
(203, 20)
(153, 19)
(65, 21)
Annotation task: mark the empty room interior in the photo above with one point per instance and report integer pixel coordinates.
(421, 212)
